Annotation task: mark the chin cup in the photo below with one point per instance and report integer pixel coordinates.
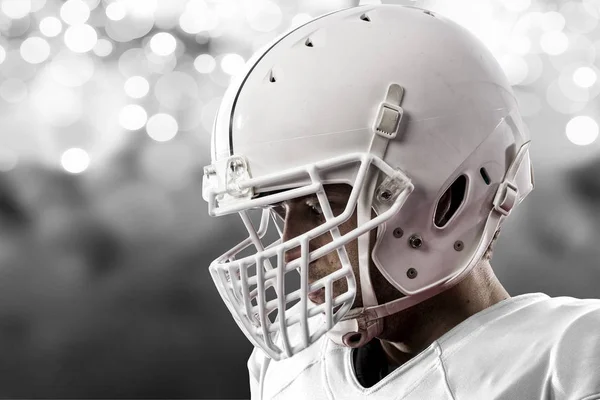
(357, 330)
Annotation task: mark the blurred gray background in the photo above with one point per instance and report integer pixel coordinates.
(105, 111)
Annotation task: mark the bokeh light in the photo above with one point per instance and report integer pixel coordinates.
(554, 42)
(515, 68)
(74, 12)
(519, 44)
(16, 8)
(37, 5)
(163, 44)
(205, 63)
(81, 38)
(516, 5)
(162, 127)
(35, 50)
(50, 26)
(133, 117)
(553, 21)
(232, 63)
(198, 17)
(72, 70)
(55, 104)
(137, 87)
(577, 17)
(585, 77)
(582, 130)
(263, 15)
(103, 47)
(300, 19)
(115, 11)
(75, 160)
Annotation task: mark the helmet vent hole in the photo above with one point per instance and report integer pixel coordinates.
(365, 17)
(308, 43)
(429, 13)
(450, 202)
(272, 78)
(485, 176)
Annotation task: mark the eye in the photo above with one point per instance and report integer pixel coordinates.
(315, 207)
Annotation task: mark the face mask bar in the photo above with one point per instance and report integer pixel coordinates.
(284, 325)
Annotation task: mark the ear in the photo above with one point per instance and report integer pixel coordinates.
(450, 201)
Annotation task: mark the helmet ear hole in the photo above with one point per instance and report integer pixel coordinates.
(450, 202)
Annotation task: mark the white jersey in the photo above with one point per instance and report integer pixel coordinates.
(527, 347)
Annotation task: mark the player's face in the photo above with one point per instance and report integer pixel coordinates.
(302, 215)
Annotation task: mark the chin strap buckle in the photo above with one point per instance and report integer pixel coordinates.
(506, 198)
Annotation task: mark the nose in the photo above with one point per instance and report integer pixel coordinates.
(295, 224)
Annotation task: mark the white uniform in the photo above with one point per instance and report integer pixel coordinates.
(528, 347)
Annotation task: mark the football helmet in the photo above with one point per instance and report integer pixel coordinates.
(400, 103)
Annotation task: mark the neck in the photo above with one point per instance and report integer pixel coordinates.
(411, 331)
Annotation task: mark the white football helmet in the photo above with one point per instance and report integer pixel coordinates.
(401, 104)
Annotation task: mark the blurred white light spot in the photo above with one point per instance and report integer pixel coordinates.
(577, 17)
(133, 117)
(72, 70)
(205, 63)
(263, 15)
(226, 9)
(81, 38)
(300, 19)
(553, 21)
(554, 42)
(103, 47)
(2, 54)
(163, 44)
(515, 68)
(92, 4)
(585, 77)
(50, 26)
(8, 159)
(519, 44)
(232, 63)
(582, 130)
(516, 5)
(141, 9)
(74, 12)
(16, 8)
(137, 87)
(535, 68)
(37, 5)
(35, 50)
(198, 17)
(55, 104)
(75, 160)
(13, 90)
(162, 127)
(115, 11)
